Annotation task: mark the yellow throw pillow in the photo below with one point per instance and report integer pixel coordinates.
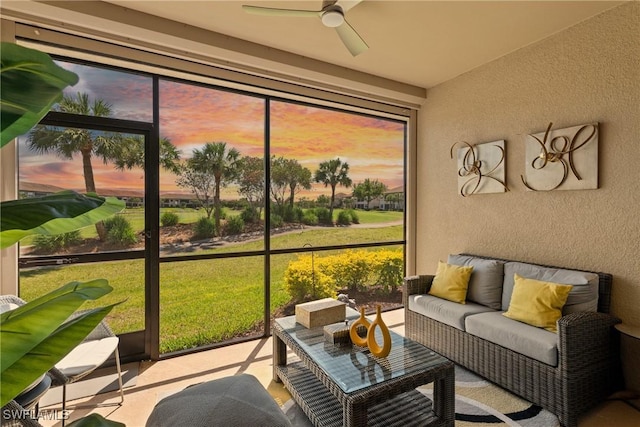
(451, 282)
(537, 303)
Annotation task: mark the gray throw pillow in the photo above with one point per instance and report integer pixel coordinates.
(583, 295)
(485, 284)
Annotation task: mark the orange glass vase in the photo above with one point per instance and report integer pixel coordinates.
(379, 350)
(353, 330)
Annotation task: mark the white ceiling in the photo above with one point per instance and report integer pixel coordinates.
(422, 43)
(414, 45)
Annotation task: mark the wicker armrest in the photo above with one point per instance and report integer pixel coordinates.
(415, 285)
(585, 338)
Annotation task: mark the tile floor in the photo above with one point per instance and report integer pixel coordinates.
(157, 379)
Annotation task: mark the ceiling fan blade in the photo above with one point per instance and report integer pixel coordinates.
(347, 4)
(269, 11)
(351, 39)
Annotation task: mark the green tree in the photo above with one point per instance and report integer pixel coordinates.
(212, 167)
(298, 178)
(369, 190)
(288, 178)
(278, 182)
(333, 173)
(251, 181)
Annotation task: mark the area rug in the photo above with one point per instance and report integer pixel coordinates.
(478, 403)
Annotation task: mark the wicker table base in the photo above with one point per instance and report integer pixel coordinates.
(338, 386)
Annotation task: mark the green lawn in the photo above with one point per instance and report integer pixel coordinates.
(201, 301)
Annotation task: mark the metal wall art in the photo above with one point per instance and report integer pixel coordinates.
(564, 159)
(481, 168)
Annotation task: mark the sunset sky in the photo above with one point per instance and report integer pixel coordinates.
(191, 116)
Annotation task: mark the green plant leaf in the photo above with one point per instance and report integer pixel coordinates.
(95, 420)
(24, 330)
(58, 213)
(48, 352)
(31, 83)
(25, 327)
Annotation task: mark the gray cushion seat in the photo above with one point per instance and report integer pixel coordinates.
(238, 400)
(536, 343)
(448, 312)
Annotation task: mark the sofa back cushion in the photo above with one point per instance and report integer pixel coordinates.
(583, 295)
(485, 284)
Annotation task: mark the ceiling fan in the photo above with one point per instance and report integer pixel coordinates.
(331, 14)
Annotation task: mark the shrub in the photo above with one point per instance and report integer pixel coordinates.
(169, 218)
(235, 225)
(343, 218)
(389, 267)
(351, 269)
(276, 221)
(249, 215)
(204, 228)
(298, 214)
(324, 216)
(55, 243)
(310, 218)
(302, 282)
(119, 231)
(354, 216)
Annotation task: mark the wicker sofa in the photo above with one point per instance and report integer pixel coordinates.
(566, 373)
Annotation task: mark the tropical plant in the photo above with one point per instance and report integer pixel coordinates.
(204, 228)
(119, 231)
(235, 225)
(37, 335)
(333, 173)
(168, 219)
(57, 213)
(55, 243)
(210, 168)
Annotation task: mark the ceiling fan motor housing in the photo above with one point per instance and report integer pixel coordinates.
(333, 17)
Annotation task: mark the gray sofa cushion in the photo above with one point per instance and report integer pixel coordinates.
(530, 341)
(448, 312)
(583, 296)
(485, 284)
(238, 400)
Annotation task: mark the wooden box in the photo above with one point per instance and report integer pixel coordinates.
(321, 312)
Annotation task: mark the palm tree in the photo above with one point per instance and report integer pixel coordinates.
(125, 152)
(333, 173)
(69, 142)
(222, 163)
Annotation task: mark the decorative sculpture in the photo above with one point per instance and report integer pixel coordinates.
(481, 168)
(370, 340)
(353, 330)
(560, 148)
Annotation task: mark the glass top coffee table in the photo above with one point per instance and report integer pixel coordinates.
(347, 386)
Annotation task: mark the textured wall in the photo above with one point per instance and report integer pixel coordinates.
(588, 73)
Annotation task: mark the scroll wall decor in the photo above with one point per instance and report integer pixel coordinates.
(481, 168)
(564, 159)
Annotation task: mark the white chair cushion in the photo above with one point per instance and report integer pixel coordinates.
(87, 356)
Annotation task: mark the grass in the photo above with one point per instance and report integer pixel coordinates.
(201, 301)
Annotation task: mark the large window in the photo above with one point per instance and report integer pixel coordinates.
(239, 205)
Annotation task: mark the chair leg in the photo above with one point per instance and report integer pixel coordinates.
(64, 403)
(119, 375)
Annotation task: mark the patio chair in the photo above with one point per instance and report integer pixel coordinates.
(92, 352)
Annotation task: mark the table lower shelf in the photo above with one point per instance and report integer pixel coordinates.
(324, 409)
